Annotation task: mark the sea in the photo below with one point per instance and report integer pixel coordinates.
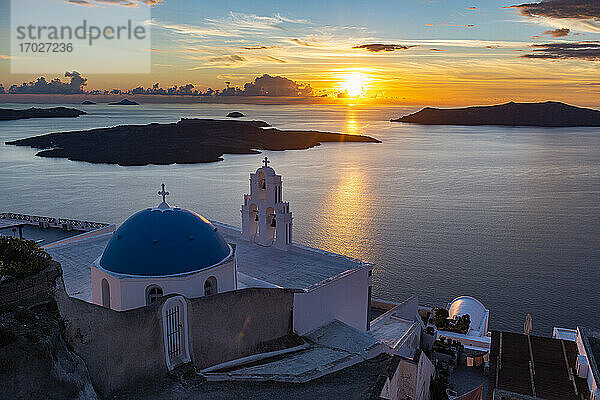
(509, 215)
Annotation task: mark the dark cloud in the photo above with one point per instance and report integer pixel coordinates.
(302, 42)
(377, 47)
(260, 47)
(81, 2)
(265, 85)
(588, 50)
(560, 32)
(271, 58)
(234, 58)
(578, 9)
(268, 85)
(125, 3)
(55, 86)
(183, 90)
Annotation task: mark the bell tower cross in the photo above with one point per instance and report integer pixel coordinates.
(266, 218)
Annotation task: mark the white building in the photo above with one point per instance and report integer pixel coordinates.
(588, 355)
(165, 250)
(477, 337)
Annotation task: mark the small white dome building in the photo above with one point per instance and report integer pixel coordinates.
(478, 314)
(159, 251)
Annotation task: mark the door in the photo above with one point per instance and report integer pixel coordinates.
(175, 331)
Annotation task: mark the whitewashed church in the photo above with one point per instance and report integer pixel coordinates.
(169, 289)
(169, 250)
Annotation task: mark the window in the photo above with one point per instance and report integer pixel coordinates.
(105, 294)
(210, 286)
(153, 293)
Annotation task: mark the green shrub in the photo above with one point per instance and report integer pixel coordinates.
(20, 258)
(443, 323)
(440, 318)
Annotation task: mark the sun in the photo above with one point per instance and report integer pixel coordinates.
(353, 85)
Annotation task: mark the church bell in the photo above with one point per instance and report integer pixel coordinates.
(273, 223)
(263, 185)
(256, 218)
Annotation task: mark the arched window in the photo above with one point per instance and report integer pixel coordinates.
(153, 293)
(105, 294)
(210, 286)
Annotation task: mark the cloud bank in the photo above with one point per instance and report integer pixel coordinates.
(265, 85)
(561, 9)
(268, 85)
(560, 32)
(55, 86)
(377, 47)
(587, 50)
(125, 3)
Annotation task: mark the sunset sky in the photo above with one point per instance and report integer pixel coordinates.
(436, 51)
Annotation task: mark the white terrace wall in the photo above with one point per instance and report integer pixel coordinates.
(345, 299)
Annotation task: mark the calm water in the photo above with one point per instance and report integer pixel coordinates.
(508, 215)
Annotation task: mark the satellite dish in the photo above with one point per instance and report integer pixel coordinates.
(528, 325)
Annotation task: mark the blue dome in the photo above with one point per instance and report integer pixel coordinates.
(159, 242)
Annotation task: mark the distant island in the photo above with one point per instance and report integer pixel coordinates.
(548, 114)
(187, 141)
(124, 102)
(235, 114)
(7, 114)
(88, 103)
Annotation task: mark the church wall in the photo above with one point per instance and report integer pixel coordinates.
(233, 324)
(345, 299)
(120, 349)
(114, 284)
(125, 348)
(129, 293)
(133, 291)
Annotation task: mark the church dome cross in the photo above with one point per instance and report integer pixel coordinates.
(266, 161)
(163, 193)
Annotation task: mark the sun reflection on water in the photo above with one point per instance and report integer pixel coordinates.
(346, 227)
(351, 122)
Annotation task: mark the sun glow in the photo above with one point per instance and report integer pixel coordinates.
(354, 85)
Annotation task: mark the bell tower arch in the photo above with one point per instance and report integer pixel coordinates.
(266, 218)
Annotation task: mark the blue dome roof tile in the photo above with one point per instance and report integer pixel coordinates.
(161, 242)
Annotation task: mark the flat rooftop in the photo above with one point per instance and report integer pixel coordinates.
(32, 232)
(299, 268)
(591, 341)
(535, 366)
(333, 346)
(358, 382)
(392, 330)
(76, 258)
(46, 230)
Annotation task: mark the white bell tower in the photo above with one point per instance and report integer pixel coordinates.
(266, 219)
